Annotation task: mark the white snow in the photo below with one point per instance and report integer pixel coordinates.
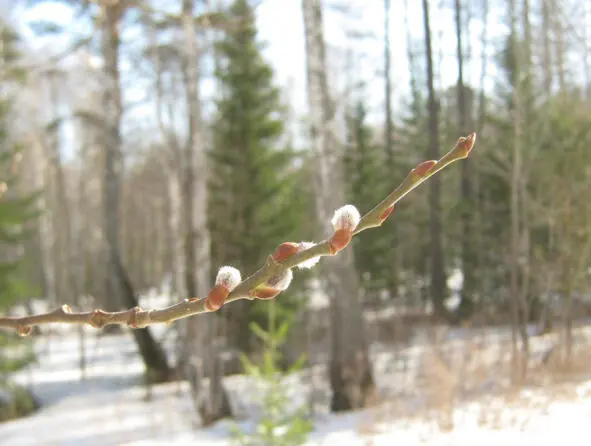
(110, 405)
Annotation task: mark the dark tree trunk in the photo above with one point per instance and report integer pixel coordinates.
(438, 279)
(389, 143)
(467, 196)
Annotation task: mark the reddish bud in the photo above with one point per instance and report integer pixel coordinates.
(265, 293)
(273, 286)
(422, 169)
(216, 297)
(285, 250)
(387, 213)
(340, 239)
(465, 144)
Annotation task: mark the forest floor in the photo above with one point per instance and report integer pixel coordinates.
(445, 394)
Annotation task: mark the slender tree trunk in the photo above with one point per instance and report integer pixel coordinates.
(547, 54)
(587, 51)
(57, 193)
(518, 277)
(46, 233)
(215, 405)
(350, 369)
(559, 46)
(173, 165)
(389, 143)
(467, 198)
(483, 68)
(438, 279)
(118, 283)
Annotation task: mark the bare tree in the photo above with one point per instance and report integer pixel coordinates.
(350, 369)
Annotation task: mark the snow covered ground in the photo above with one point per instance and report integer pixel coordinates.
(110, 405)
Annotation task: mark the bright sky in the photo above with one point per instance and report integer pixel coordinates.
(281, 27)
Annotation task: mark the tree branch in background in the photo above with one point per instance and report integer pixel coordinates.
(269, 280)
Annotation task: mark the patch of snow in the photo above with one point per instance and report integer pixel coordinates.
(109, 404)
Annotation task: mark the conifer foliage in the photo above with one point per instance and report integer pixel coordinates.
(15, 211)
(366, 172)
(253, 204)
(280, 423)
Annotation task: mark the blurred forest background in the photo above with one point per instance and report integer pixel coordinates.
(144, 144)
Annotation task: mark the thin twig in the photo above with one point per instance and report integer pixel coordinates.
(138, 318)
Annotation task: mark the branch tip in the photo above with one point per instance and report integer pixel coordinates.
(465, 145)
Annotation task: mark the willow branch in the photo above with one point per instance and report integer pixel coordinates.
(273, 268)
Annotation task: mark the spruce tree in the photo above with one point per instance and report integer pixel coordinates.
(253, 201)
(279, 422)
(366, 171)
(15, 211)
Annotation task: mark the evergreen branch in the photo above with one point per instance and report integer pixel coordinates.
(270, 279)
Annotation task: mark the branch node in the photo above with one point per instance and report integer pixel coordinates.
(96, 319)
(133, 319)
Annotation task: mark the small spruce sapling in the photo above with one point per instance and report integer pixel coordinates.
(280, 423)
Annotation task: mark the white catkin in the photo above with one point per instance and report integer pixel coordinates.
(346, 217)
(229, 277)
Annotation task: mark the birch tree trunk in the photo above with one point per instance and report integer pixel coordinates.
(350, 370)
(46, 233)
(212, 403)
(118, 284)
